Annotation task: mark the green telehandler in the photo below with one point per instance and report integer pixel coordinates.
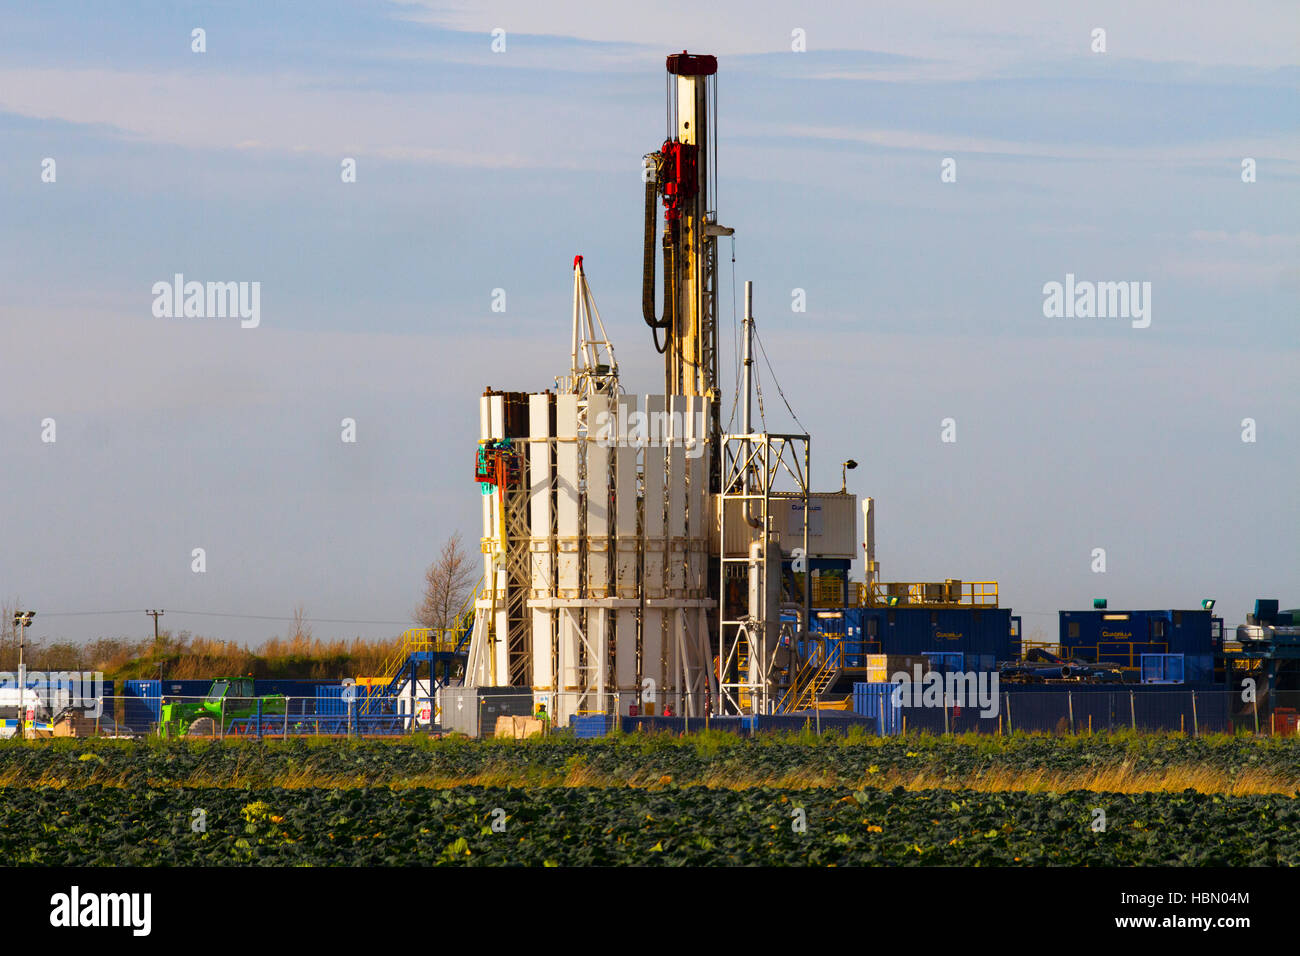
(229, 699)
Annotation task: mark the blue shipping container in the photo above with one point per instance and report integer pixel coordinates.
(590, 726)
(330, 703)
(876, 700)
(143, 703)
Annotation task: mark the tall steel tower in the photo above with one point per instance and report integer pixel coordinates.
(682, 175)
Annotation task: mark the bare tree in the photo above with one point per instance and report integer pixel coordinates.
(9, 634)
(447, 585)
(300, 631)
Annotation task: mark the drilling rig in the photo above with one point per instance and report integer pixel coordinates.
(637, 559)
(681, 174)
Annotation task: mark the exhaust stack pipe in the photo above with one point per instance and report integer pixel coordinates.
(869, 540)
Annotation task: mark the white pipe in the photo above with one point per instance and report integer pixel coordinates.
(869, 539)
(746, 421)
(573, 352)
(749, 357)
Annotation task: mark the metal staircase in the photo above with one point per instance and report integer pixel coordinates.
(420, 645)
(814, 676)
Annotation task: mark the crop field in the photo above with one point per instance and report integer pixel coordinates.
(644, 800)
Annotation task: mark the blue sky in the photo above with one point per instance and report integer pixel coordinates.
(479, 171)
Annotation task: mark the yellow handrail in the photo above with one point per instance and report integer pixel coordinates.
(928, 593)
(818, 664)
(443, 640)
(818, 682)
(1121, 647)
(1052, 647)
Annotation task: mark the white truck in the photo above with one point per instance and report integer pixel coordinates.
(15, 706)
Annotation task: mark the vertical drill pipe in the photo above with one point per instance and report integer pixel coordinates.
(749, 358)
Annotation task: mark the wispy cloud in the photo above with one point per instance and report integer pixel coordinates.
(275, 112)
(948, 143)
(1246, 239)
(946, 31)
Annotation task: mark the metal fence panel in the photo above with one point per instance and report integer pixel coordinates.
(1144, 708)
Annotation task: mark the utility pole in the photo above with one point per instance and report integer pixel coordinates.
(155, 615)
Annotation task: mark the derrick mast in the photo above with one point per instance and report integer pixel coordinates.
(681, 175)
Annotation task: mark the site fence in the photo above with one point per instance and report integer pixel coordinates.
(1193, 712)
(478, 712)
(471, 711)
(327, 714)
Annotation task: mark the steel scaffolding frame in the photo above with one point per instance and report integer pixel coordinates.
(752, 465)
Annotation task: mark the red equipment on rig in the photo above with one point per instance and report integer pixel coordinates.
(496, 464)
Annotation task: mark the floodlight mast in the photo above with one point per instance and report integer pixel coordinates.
(22, 621)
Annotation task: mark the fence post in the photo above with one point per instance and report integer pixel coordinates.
(1196, 726)
(1069, 701)
(1010, 729)
(1255, 711)
(259, 718)
(1132, 709)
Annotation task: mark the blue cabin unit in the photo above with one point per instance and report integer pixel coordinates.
(1124, 638)
(971, 638)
